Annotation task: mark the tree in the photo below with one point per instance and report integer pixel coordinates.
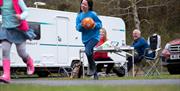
(135, 13)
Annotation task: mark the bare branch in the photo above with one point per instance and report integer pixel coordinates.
(138, 1)
(127, 8)
(151, 6)
(129, 13)
(147, 21)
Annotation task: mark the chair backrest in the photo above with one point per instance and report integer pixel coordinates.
(154, 41)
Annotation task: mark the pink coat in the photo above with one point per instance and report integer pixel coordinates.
(23, 24)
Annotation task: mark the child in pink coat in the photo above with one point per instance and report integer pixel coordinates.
(13, 30)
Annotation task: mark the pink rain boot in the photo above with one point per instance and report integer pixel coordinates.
(30, 66)
(6, 78)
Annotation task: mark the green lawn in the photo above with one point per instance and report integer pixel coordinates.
(19, 87)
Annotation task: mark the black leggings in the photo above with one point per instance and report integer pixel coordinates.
(101, 65)
(137, 59)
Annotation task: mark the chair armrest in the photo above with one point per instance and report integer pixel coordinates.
(145, 51)
(158, 49)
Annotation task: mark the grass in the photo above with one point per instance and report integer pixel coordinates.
(23, 87)
(32, 87)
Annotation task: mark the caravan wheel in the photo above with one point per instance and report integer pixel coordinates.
(77, 70)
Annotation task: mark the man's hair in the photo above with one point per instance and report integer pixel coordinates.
(136, 31)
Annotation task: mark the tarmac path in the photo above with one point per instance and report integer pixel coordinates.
(96, 82)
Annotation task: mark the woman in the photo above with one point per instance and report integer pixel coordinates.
(103, 56)
(14, 30)
(90, 37)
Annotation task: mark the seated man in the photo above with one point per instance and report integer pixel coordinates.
(140, 45)
(103, 56)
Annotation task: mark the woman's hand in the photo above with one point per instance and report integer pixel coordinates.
(18, 16)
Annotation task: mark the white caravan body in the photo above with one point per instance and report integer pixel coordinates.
(58, 42)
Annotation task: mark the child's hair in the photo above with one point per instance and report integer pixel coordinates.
(90, 4)
(105, 33)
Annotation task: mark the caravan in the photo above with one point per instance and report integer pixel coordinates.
(58, 43)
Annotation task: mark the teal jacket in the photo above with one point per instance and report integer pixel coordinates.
(9, 9)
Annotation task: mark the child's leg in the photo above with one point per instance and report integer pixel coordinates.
(99, 67)
(110, 66)
(21, 49)
(89, 53)
(6, 46)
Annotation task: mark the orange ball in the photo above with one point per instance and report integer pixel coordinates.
(88, 23)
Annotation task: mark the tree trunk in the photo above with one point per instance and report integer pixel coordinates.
(135, 14)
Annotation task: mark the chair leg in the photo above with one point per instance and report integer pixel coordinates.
(149, 70)
(154, 68)
(136, 71)
(139, 69)
(156, 64)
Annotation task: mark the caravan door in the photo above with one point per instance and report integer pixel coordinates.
(62, 38)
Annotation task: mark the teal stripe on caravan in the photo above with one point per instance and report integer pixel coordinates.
(43, 23)
(62, 45)
(122, 30)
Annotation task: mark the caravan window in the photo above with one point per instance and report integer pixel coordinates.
(37, 29)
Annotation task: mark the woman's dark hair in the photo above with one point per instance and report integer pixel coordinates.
(90, 4)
